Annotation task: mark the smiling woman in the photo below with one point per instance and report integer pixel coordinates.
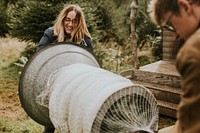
(70, 26)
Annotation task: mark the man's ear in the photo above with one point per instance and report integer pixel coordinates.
(186, 5)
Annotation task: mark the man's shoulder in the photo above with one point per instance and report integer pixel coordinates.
(191, 47)
(193, 41)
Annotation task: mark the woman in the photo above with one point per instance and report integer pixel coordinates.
(70, 26)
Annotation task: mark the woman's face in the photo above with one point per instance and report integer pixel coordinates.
(70, 22)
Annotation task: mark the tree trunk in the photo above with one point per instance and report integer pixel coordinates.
(134, 7)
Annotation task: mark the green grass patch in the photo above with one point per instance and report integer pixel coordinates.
(18, 126)
(165, 121)
(9, 72)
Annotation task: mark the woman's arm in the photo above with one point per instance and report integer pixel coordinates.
(87, 42)
(47, 37)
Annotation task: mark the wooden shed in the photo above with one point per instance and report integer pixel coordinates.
(161, 77)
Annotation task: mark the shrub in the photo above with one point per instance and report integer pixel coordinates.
(3, 19)
(29, 19)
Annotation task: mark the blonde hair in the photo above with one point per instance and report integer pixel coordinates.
(80, 30)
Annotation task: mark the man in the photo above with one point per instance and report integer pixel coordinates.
(184, 17)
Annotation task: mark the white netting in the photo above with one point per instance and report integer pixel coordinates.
(84, 99)
(130, 109)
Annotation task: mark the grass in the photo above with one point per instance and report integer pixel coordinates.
(10, 49)
(13, 118)
(165, 121)
(10, 72)
(19, 126)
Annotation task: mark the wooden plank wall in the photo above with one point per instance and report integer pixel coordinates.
(171, 45)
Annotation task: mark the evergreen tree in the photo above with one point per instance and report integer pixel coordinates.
(3, 19)
(29, 19)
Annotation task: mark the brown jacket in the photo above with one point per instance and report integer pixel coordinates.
(188, 65)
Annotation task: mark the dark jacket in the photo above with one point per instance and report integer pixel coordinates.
(49, 38)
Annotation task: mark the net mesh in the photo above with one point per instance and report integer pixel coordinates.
(84, 99)
(128, 110)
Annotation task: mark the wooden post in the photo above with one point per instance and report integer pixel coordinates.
(134, 7)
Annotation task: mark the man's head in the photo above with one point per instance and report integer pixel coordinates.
(182, 15)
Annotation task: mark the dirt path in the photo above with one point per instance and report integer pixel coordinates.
(10, 106)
